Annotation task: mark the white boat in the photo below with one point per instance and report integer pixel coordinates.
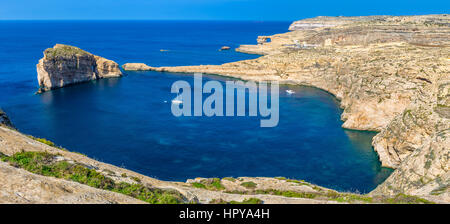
(178, 99)
(289, 92)
(175, 101)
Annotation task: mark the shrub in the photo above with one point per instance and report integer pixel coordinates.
(249, 184)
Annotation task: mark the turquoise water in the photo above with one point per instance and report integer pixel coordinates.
(126, 122)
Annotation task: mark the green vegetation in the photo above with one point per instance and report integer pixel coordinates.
(209, 184)
(291, 194)
(217, 183)
(229, 179)
(52, 144)
(249, 184)
(339, 197)
(44, 164)
(63, 51)
(136, 179)
(198, 185)
(344, 197)
(405, 199)
(246, 201)
(45, 141)
(300, 182)
(249, 201)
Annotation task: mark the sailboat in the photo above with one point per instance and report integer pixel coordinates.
(178, 99)
(289, 92)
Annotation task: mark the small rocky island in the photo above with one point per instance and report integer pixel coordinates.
(64, 65)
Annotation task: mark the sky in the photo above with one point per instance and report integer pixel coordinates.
(256, 10)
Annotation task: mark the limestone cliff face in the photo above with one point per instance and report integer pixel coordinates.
(64, 65)
(428, 115)
(417, 143)
(424, 172)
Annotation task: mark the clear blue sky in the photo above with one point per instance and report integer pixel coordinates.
(286, 10)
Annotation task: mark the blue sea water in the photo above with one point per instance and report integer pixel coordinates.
(126, 122)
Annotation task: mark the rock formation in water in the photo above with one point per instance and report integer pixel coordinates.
(4, 119)
(136, 67)
(65, 65)
(391, 74)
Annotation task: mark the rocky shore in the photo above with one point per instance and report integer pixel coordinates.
(64, 65)
(391, 74)
(4, 119)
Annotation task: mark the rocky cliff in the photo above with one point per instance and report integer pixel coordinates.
(4, 119)
(391, 74)
(64, 65)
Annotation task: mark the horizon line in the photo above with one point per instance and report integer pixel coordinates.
(227, 20)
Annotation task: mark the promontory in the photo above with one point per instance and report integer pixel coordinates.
(64, 65)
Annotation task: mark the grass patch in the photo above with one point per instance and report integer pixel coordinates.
(64, 51)
(246, 201)
(209, 184)
(290, 194)
(217, 184)
(249, 184)
(136, 179)
(348, 198)
(406, 199)
(229, 179)
(50, 143)
(43, 163)
(198, 185)
(45, 141)
(301, 182)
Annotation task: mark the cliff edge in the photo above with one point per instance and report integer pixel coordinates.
(4, 119)
(64, 65)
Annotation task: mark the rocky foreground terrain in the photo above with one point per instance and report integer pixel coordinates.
(34, 170)
(64, 65)
(391, 74)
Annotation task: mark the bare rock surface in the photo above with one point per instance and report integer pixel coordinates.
(135, 67)
(18, 186)
(65, 65)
